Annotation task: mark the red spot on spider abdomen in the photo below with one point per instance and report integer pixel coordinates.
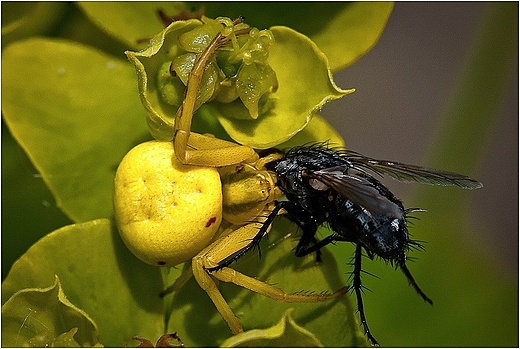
(211, 221)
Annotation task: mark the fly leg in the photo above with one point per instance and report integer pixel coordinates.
(309, 226)
(357, 289)
(411, 280)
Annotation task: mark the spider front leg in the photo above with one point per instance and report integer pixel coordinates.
(209, 264)
(208, 151)
(195, 149)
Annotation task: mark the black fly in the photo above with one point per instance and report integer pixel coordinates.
(336, 187)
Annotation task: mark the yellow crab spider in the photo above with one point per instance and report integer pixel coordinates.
(247, 197)
(244, 186)
(249, 192)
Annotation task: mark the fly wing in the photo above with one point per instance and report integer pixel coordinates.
(356, 189)
(413, 173)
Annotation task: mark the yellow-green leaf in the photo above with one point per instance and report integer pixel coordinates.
(75, 112)
(350, 34)
(284, 334)
(317, 131)
(44, 317)
(129, 21)
(99, 275)
(21, 19)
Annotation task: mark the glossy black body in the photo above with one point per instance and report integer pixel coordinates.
(378, 233)
(310, 205)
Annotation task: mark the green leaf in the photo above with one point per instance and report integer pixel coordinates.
(133, 20)
(21, 19)
(45, 317)
(333, 322)
(24, 195)
(284, 334)
(79, 28)
(99, 275)
(317, 131)
(350, 34)
(75, 112)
